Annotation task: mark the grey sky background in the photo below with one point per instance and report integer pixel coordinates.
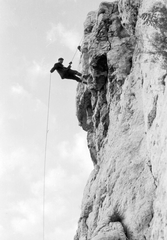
(33, 35)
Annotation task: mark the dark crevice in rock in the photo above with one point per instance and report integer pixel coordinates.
(92, 147)
(84, 110)
(130, 63)
(150, 167)
(152, 114)
(101, 63)
(163, 81)
(119, 218)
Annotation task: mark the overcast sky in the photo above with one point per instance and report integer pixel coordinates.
(33, 35)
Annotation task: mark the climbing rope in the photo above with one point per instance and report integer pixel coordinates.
(76, 49)
(46, 141)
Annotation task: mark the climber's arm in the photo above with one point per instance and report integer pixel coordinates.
(69, 66)
(56, 67)
(53, 68)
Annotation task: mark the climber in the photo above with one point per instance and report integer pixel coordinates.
(66, 72)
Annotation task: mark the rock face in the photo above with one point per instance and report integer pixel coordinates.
(123, 108)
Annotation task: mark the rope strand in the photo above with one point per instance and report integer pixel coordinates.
(46, 141)
(76, 50)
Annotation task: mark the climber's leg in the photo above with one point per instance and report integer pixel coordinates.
(74, 72)
(73, 77)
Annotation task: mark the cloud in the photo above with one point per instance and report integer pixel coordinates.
(4, 233)
(23, 167)
(55, 179)
(10, 161)
(8, 16)
(30, 73)
(60, 233)
(77, 151)
(18, 90)
(28, 216)
(59, 33)
(66, 173)
(38, 68)
(64, 186)
(65, 181)
(36, 73)
(61, 196)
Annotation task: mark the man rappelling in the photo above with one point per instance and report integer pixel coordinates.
(67, 72)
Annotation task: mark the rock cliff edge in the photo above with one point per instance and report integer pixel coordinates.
(123, 108)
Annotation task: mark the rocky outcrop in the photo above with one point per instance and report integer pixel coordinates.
(123, 108)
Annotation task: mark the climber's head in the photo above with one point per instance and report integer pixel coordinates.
(61, 60)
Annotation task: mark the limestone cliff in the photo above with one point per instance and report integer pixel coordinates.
(123, 108)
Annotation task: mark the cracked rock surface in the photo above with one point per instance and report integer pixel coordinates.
(123, 108)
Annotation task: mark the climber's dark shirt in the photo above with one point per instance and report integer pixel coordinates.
(60, 69)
